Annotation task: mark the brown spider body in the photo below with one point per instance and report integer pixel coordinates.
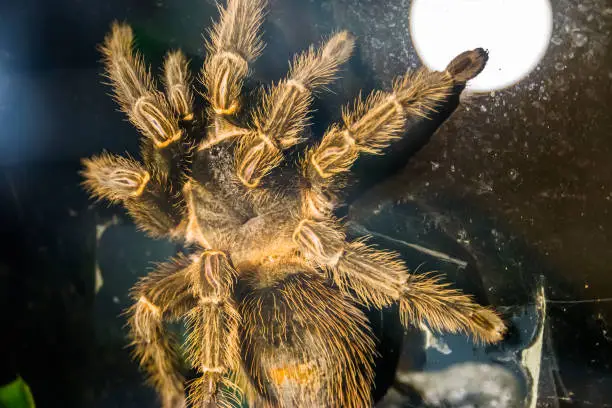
(270, 291)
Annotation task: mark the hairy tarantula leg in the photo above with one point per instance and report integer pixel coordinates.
(420, 130)
(168, 288)
(135, 89)
(427, 298)
(155, 350)
(177, 81)
(376, 284)
(147, 108)
(213, 345)
(371, 125)
(377, 278)
(235, 42)
(120, 179)
(164, 294)
(284, 110)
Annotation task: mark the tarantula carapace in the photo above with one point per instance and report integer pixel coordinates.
(270, 289)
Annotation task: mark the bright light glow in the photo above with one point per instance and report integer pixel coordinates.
(516, 33)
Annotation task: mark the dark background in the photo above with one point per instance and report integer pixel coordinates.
(519, 180)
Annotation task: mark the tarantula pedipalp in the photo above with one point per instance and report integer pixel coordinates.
(271, 288)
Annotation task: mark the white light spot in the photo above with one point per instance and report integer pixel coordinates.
(515, 32)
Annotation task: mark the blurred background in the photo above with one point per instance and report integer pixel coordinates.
(511, 197)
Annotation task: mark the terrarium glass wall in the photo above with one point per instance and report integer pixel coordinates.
(506, 190)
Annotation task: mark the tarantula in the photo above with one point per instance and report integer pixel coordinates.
(270, 289)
